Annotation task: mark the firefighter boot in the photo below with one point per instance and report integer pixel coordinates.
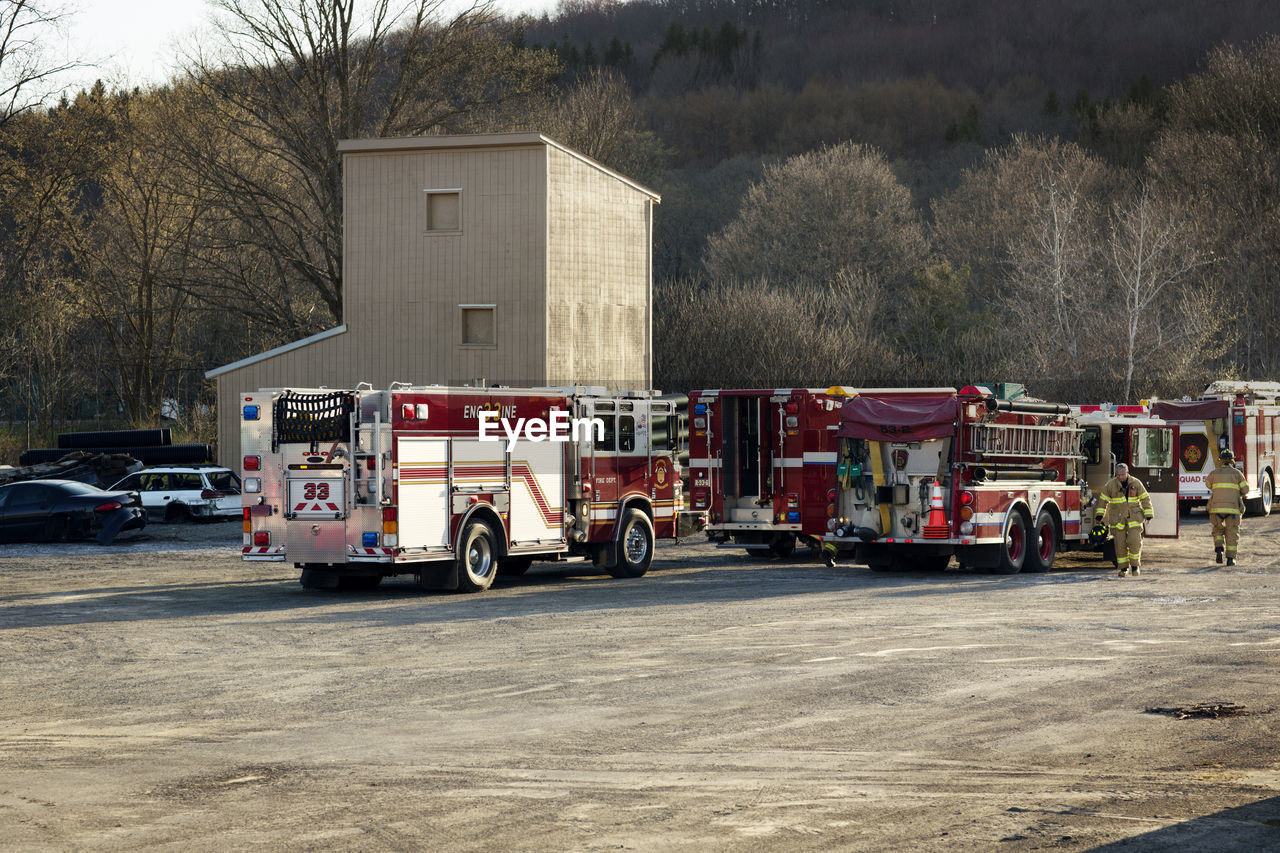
(1231, 561)
(1217, 554)
(1136, 569)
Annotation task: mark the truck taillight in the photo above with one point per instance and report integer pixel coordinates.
(261, 539)
(831, 495)
(793, 408)
(389, 523)
(252, 463)
(701, 498)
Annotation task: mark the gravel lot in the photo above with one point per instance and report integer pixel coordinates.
(159, 693)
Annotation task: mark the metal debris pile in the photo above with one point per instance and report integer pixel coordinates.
(1212, 711)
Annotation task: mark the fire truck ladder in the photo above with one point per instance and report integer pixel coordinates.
(369, 440)
(1024, 441)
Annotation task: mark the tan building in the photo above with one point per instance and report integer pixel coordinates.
(504, 257)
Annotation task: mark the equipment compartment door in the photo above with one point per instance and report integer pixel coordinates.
(537, 492)
(423, 488)
(1152, 451)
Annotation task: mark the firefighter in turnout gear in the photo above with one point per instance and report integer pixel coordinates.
(1125, 507)
(1227, 488)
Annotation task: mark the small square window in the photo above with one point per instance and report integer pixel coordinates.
(478, 325)
(444, 210)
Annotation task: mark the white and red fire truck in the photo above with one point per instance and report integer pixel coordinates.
(926, 475)
(455, 485)
(1146, 443)
(762, 464)
(1243, 417)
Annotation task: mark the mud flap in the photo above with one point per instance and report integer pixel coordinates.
(440, 575)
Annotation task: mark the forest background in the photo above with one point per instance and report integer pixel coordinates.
(1079, 197)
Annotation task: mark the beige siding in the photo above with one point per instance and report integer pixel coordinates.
(598, 277)
(558, 245)
(404, 284)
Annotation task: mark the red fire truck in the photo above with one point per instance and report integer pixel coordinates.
(455, 485)
(762, 464)
(1243, 417)
(924, 476)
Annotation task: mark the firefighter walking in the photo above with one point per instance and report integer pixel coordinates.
(1227, 488)
(1124, 506)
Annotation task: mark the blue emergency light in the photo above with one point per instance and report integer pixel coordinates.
(793, 517)
(699, 408)
(369, 540)
(250, 413)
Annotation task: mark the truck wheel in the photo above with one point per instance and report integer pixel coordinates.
(513, 567)
(1262, 505)
(1042, 544)
(635, 546)
(477, 564)
(1013, 551)
(318, 579)
(782, 546)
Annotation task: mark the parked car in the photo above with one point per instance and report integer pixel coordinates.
(57, 510)
(186, 492)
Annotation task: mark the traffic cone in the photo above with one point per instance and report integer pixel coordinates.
(937, 526)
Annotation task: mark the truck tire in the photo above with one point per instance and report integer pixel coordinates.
(782, 546)
(318, 578)
(1013, 550)
(477, 558)
(634, 546)
(1042, 544)
(1262, 505)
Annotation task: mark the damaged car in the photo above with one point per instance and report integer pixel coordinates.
(62, 510)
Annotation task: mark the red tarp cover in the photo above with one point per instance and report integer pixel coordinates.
(1190, 410)
(898, 418)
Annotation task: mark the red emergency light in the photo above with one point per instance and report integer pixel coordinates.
(1093, 407)
(1130, 410)
(252, 463)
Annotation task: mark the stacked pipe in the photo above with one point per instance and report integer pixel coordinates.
(149, 446)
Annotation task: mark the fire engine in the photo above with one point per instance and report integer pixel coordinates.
(1132, 435)
(925, 475)
(1243, 417)
(456, 484)
(762, 465)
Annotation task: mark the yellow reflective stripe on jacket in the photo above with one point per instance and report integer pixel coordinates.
(1244, 487)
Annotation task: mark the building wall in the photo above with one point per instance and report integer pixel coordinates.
(558, 245)
(599, 293)
(404, 283)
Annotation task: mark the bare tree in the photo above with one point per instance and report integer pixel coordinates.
(26, 71)
(301, 75)
(1152, 255)
(132, 253)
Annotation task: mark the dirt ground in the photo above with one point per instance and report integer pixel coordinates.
(158, 693)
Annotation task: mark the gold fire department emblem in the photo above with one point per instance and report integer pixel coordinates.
(660, 474)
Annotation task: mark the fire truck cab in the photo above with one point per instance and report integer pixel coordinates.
(1132, 435)
(1243, 417)
(762, 465)
(456, 484)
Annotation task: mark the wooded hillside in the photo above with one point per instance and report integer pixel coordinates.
(878, 192)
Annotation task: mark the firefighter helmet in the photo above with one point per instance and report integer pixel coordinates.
(1097, 534)
(1226, 455)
